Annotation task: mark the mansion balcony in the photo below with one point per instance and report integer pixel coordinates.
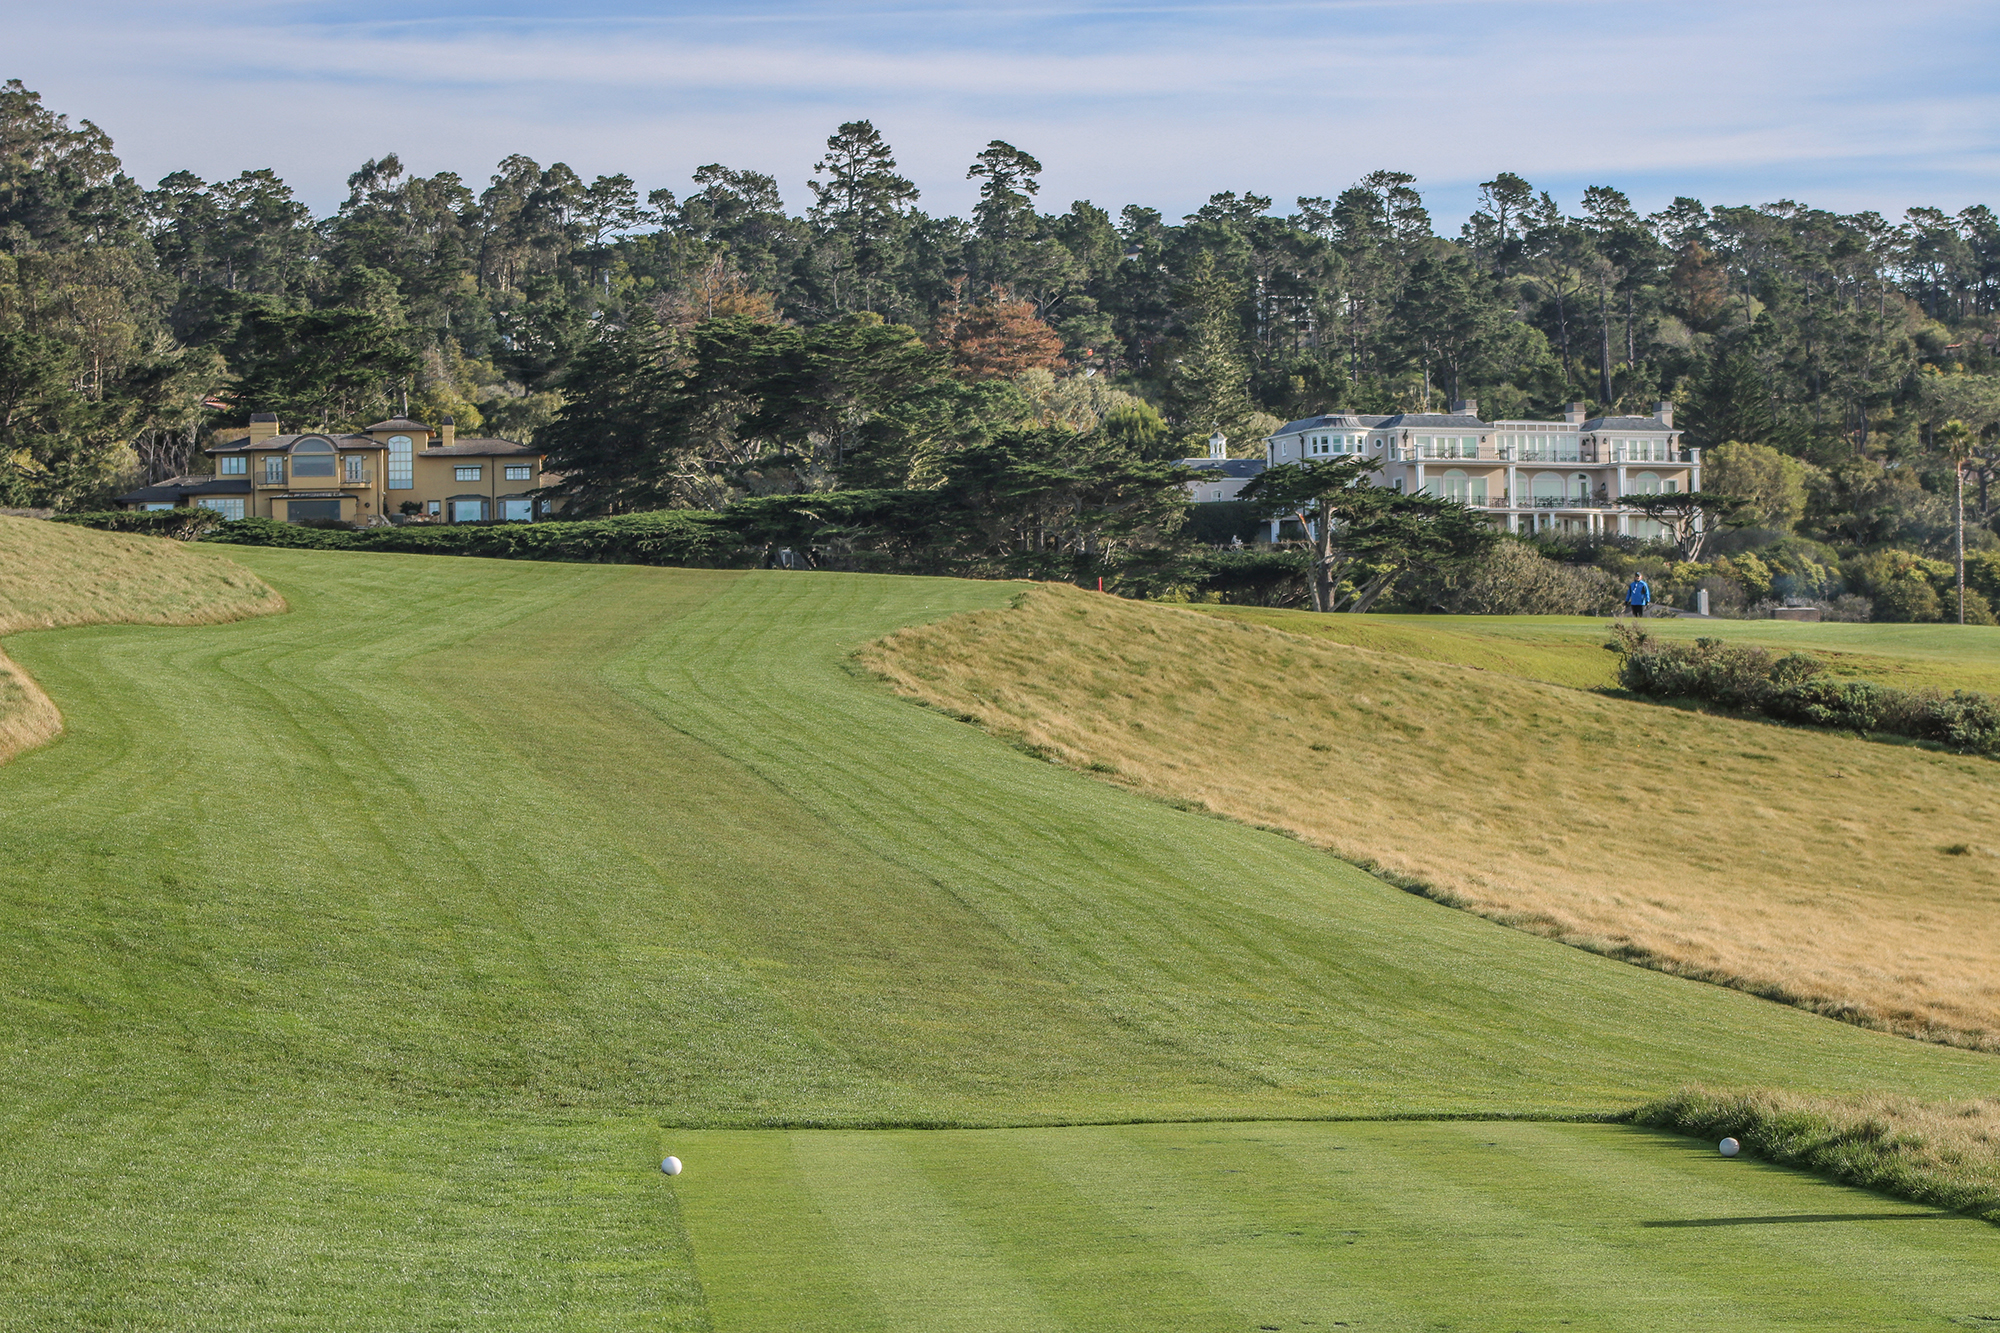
(1598, 455)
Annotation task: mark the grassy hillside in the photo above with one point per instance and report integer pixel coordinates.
(1569, 650)
(361, 962)
(1854, 878)
(52, 574)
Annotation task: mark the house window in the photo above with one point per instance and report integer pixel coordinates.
(236, 466)
(466, 473)
(274, 471)
(356, 469)
(517, 511)
(520, 472)
(468, 511)
(402, 472)
(1466, 490)
(312, 458)
(431, 507)
(229, 506)
(1646, 483)
(155, 508)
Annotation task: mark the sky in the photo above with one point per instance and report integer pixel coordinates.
(1836, 103)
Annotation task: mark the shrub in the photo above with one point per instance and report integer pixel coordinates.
(1907, 600)
(668, 537)
(180, 524)
(1796, 688)
(1514, 579)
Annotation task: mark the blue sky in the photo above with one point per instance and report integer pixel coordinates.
(1839, 104)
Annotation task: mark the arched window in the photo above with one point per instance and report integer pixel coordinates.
(1548, 489)
(1579, 486)
(1646, 483)
(402, 472)
(312, 457)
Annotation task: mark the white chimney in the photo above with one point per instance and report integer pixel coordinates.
(1665, 412)
(1574, 413)
(1218, 445)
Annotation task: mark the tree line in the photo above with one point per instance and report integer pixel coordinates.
(705, 346)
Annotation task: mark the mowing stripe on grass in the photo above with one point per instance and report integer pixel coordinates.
(1401, 1226)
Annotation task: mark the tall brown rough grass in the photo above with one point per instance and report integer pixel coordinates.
(1857, 880)
(53, 575)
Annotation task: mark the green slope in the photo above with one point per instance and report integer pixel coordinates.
(353, 954)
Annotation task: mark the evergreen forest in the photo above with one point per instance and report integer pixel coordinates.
(698, 346)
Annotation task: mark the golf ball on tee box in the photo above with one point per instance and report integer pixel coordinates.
(671, 1165)
(1729, 1147)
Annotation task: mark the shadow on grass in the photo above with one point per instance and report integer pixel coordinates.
(1810, 1217)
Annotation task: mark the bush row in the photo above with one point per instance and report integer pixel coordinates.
(669, 537)
(180, 524)
(1797, 688)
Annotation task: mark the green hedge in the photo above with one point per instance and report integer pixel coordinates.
(180, 524)
(1796, 688)
(670, 537)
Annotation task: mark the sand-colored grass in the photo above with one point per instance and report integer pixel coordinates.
(53, 575)
(1853, 878)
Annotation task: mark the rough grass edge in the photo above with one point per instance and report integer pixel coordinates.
(1532, 923)
(28, 717)
(1890, 1145)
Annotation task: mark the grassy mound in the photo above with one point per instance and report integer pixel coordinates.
(54, 575)
(1852, 879)
(362, 963)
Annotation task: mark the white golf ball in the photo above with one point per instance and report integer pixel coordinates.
(1728, 1148)
(671, 1165)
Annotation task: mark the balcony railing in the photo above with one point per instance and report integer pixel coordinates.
(1505, 500)
(1592, 456)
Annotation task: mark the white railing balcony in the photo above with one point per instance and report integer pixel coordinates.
(1414, 453)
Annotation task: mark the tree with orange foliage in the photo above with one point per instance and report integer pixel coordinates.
(997, 338)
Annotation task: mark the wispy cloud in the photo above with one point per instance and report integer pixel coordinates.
(1160, 103)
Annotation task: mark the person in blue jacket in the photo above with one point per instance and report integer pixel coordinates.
(1638, 596)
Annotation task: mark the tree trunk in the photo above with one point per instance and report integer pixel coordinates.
(1604, 343)
(1959, 552)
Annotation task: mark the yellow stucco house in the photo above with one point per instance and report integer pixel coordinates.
(393, 468)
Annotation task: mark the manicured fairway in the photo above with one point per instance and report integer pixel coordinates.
(354, 958)
(1218, 1228)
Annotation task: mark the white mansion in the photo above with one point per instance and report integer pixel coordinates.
(1561, 476)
